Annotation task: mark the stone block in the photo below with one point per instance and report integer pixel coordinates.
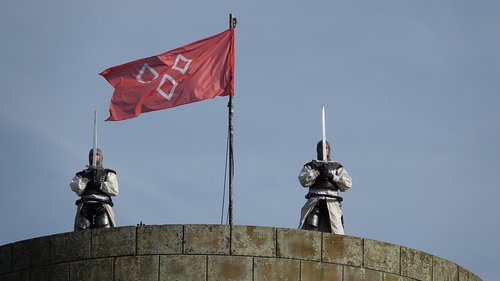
(207, 239)
(21, 257)
(229, 268)
(361, 274)
(91, 270)
(253, 241)
(116, 241)
(5, 258)
(71, 246)
(276, 269)
(299, 244)
(183, 268)
(381, 256)
(444, 270)
(159, 239)
(416, 264)
(342, 249)
(40, 251)
(316, 271)
(137, 268)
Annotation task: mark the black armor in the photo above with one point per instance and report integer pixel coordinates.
(325, 178)
(96, 177)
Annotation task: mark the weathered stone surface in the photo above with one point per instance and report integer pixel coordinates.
(444, 270)
(40, 251)
(54, 272)
(317, 271)
(21, 258)
(137, 268)
(42, 273)
(92, 270)
(381, 256)
(465, 275)
(342, 249)
(416, 264)
(253, 241)
(394, 277)
(5, 258)
(361, 274)
(116, 241)
(71, 246)
(218, 252)
(206, 239)
(23, 275)
(159, 239)
(59, 272)
(276, 269)
(183, 268)
(229, 268)
(299, 244)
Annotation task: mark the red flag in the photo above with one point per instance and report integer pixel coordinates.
(200, 70)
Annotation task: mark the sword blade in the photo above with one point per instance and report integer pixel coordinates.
(94, 145)
(323, 125)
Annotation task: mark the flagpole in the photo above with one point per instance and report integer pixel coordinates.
(232, 24)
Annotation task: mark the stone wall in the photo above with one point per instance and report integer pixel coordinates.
(219, 253)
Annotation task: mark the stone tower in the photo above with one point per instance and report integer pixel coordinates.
(219, 253)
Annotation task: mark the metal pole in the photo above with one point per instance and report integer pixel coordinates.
(232, 24)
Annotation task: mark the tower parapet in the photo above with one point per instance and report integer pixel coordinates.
(218, 252)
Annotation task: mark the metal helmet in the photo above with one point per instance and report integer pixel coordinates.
(99, 160)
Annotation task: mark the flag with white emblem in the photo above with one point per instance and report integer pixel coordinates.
(197, 71)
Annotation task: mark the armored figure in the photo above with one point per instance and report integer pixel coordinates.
(95, 186)
(325, 179)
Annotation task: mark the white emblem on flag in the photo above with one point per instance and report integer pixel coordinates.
(143, 69)
(182, 69)
(185, 60)
(171, 92)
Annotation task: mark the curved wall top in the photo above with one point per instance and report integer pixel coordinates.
(218, 252)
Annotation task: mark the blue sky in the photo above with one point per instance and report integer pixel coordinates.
(411, 91)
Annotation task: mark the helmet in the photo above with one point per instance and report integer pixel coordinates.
(99, 159)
